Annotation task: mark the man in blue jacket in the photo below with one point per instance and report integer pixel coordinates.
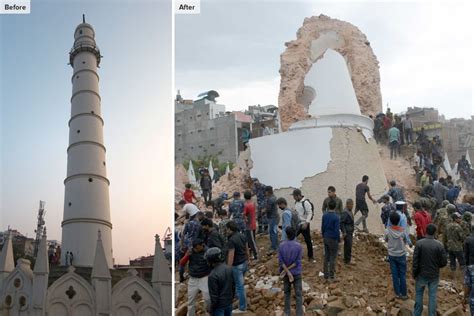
(330, 230)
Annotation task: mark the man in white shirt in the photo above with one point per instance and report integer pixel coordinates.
(304, 208)
(188, 208)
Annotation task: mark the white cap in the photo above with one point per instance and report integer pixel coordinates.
(400, 203)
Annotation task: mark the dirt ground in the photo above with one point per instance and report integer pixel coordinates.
(362, 288)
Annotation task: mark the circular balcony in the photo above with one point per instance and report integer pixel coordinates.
(84, 46)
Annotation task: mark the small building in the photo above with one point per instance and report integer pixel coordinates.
(204, 128)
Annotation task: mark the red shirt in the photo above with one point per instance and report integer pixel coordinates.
(387, 123)
(249, 215)
(188, 195)
(422, 219)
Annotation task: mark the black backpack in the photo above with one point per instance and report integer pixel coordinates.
(306, 211)
(295, 220)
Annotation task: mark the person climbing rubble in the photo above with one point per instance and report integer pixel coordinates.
(455, 241)
(220, 283)
(198, 275)
(422, 220)
(237, 258)
(361, 205)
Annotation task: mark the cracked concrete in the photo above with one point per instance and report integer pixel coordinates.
(351, 158)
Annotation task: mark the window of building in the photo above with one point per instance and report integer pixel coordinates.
(177, 121)
(78, 131)
(69, 203)
(83, 62)
(199, 115)
(90, 180)
(200, 146)
(212, 128)
(92, 112)
(191, 132)
(192, 147)
(190, 117)
(212, 145)
(199, 131)
(80, 31)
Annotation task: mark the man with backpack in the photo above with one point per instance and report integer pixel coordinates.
(236, 211)
(289, 218)
(305, 210)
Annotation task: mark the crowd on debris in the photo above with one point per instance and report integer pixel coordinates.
(397, 130)
(218, 240)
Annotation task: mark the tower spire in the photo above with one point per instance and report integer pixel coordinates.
(86, 199)
(83, 18)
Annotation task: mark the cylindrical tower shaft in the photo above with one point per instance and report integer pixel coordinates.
(86, 199)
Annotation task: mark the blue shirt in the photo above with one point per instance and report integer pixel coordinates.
(394, 134)
(289, 252)
(286, 221)
(330, 225)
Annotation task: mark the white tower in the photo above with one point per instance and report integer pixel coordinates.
(86, 199)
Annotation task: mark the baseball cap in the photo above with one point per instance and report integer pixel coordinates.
(296, 192)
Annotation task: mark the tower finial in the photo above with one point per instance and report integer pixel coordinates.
(83, 18)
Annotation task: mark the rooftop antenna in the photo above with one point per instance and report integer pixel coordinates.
(83, 18)
(40, 226)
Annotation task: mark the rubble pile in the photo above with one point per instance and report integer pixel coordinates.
(296, 61)
(238, 180)
(180, 179)
(364, 288)
(401, 171)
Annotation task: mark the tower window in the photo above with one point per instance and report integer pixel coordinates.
(103, 162)
(78, 131)
(92, 112)
(90, 180)
(83, 62)
(77, 77)
(80, 31)
(69, 203)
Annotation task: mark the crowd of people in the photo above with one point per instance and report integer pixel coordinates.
(218, 240)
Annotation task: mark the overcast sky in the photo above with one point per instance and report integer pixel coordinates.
(135, 86)
(424, 49)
